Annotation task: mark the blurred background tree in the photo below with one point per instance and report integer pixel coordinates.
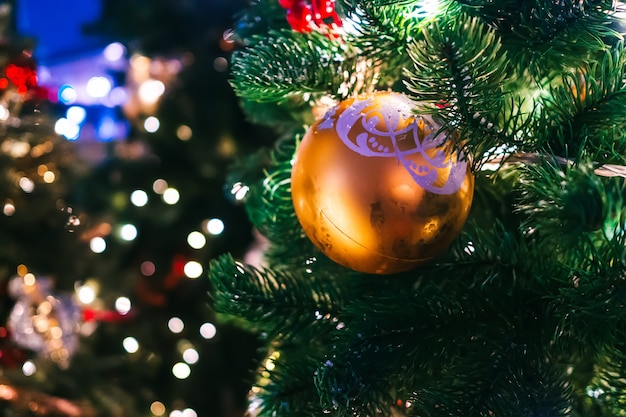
(114, 164)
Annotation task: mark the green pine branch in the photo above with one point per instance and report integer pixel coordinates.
(561, 202)
(285, 63)
(270, 207)
(581, 114)
(545, 34)
(275, 304)
(461, 73)
(380, 31)
(259, 18)
(287, 389)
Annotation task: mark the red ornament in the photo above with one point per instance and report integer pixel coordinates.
(299, 17)
(319, 15)
(324, 9)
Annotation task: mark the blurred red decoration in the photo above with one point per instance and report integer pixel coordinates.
(23, 77)
(104, 316)
(21, 74)
(155, 292)
(10, 355)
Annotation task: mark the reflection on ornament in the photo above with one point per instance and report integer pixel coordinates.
(375, 189)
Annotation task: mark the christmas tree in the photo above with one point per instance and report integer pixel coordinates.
(375, 295)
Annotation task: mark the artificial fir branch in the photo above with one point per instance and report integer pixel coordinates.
(539, 21)
(609, 384)
(461, 73)
(561, 202)
(546, 34)
(258, 19)
(580, 115)
(287, 388)
(590, 304)
(381, 33)
(276, 304)
(284, 63)
(448, 333)
(492, 257)
(512, 385)
(270, 208)
(284, 117)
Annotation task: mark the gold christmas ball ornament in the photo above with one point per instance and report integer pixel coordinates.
(375, 189)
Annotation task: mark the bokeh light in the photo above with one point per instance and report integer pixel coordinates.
(130, 344)
(171, 196)
(97, 244)
(128, 232)
(159, 186)
(26, 184)
(139, 198)
(4, 113)
(107, 129)
(68, 129)
(76, 114)
(9, 208)
(239, 190)
(191, 356)
(29, 368)
(181, 370)
(151, 124)
(176, 325)
(215, 226)
(196, 240)
(189, 412)
(193, 269)
(67, 94)
(49, 177)
(220, 64)
(150, 91)
(114, 51)
(184, 132)
(98, 87)
(123, 305)
(147, 268)
(208, 330)
(86, 294)
(118, 96)
(157, 408)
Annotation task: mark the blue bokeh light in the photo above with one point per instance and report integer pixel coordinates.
(67, 94)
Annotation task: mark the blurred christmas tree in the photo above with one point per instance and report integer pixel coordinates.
(104, 237)
(395, 116)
